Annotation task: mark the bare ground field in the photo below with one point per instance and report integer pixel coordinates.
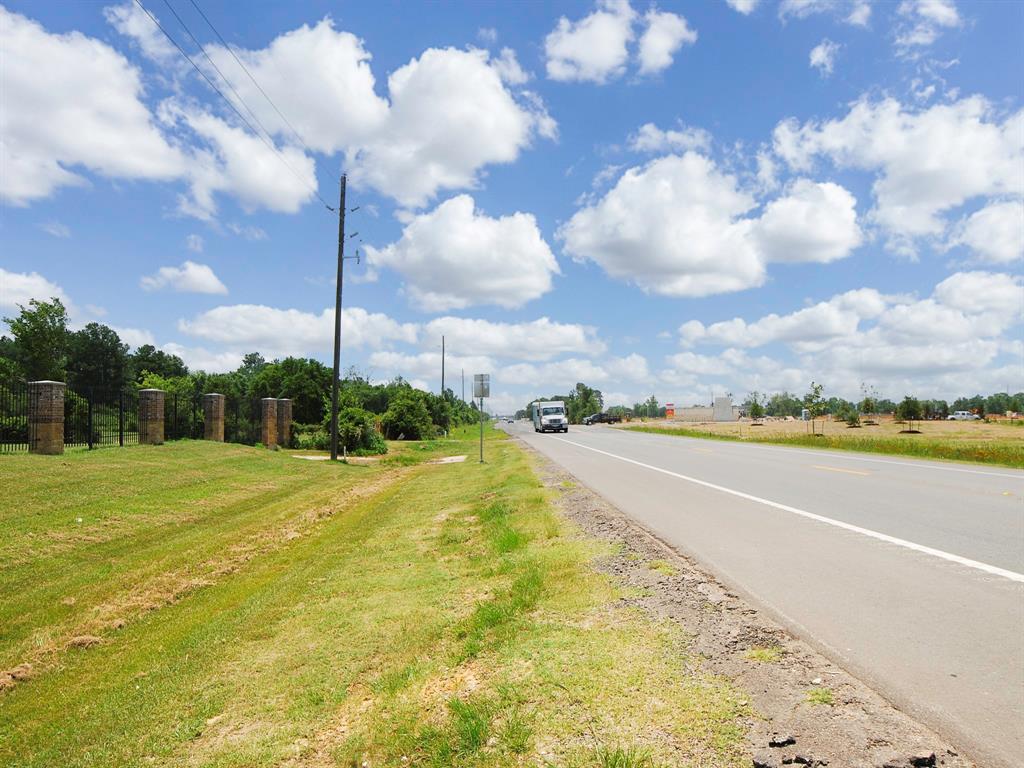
(993, 442)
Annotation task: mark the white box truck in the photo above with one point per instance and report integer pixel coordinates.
(550, 416)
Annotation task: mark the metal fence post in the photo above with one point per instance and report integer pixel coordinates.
(120, 418)
(174, 429)
(92, 396)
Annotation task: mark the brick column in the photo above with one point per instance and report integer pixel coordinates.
(284, 421)
(213, 417)
(151, 416)
(268, 421)
(46, 417)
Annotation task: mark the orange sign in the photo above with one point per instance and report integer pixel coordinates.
(670, 410)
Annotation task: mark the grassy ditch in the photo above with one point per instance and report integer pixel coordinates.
(213, 605)
(1009, 453)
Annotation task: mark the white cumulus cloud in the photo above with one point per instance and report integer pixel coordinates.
(21, 287)
(651, 138)
(927, 161)
(539, 339)
(71, 102)
(679, 226)
(746, 7)
(666, 33)
(812, 222)
(280, 332)
(995, 233)
(823, 56)
(454, 256)
(190, 277)
(593, 49)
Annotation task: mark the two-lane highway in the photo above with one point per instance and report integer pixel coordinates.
(908, 573)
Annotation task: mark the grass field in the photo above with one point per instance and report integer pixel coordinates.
(201, 604)
(975, 441)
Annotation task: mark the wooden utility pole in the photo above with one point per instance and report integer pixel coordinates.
(337, 322)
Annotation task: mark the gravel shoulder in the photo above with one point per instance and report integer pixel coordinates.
(810, 711)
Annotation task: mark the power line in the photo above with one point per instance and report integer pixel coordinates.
(213, 64)
(251, 77)
(231, 104)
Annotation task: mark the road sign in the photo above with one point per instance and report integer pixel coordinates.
(481, 389)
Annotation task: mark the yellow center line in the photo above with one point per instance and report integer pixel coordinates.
(837, 469)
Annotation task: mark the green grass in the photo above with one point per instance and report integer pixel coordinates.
(820, 696)
(1003, 453)
(251, 609)
(663, 567)
(766, 655)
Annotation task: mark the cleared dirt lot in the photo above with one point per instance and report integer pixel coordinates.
(972, 431)
(997, 442)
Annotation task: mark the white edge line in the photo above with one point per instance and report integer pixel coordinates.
(848, 455)
(992, 569)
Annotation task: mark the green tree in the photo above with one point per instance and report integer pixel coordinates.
(40, 334)
(756, 410)
(909, 410)
(304, 380)
(583, 401)
(97, 358)
(754, 405)
(783, 404)
(149, 358)
(814, 402)
(407, 417)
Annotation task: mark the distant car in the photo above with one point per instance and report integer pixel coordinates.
(601, 418)
(963, 416)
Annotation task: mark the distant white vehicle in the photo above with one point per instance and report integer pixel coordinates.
(963, 416)
(549, 416)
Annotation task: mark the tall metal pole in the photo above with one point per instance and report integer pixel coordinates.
(463, 385)
(481, 430)
(337, 322)
(442, 366)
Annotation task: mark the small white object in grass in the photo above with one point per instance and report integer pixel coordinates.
(78, 519)
(448, 460)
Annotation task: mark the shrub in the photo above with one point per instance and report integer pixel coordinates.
(357, 434)
(14, 429)
(407, 418)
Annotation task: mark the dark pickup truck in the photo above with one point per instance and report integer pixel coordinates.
(601, 418)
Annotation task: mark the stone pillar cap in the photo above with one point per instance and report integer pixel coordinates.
(269, 398)
(48, 381)
(212, 394)
(150, 389)
(279, 399)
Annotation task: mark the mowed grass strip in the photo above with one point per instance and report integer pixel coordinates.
(1007, 452)
(446, 619)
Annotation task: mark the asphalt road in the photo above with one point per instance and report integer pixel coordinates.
(910, 574)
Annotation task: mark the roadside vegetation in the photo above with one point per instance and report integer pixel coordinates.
(221, 605)
(42, 346)
(955, 441)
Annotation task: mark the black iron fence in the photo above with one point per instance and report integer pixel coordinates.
(241, 420)
(96, 417)
(13, 416)
(183, 417)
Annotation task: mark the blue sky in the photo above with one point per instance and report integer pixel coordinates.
(677, 199)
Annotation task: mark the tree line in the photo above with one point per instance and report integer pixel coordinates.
(42, 346)
(583, 401)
